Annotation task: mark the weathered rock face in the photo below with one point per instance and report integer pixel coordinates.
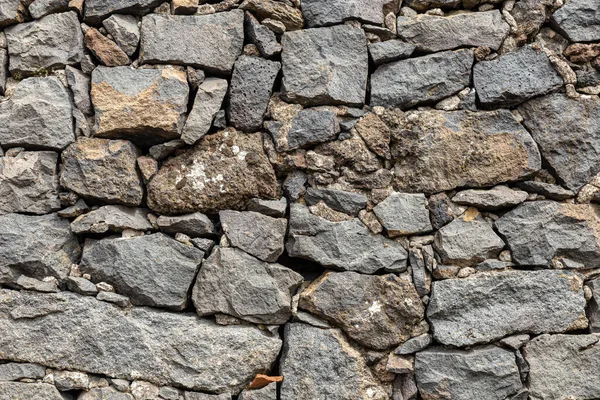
(545, 232)
(289, 16)
(329, 12)
(124, 30)
(404, 214)
(306, 128)
(11, 12)
(104, 49)
(111, 218)
(339, 200)
(579, 20)
(489, 306)
(376, 311)
(195, 224)
(146, 106)
(390, 50)
(325, 66)
(487, 372)
(222, 171)
(493, 199)
(161, 347)
(492, 146)
(97, 10)
(210, 42)
(38, 391)
(312, 355)
(207, 104)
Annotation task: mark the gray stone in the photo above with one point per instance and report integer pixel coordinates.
(29, 183)
(11, 12)
(568, 133)
(112, 218)
(36, 246)
(27, 283)
(488, 306)
(37, 391)
(434, 33)
(124, 30)
(104, 393)
(594, 305)
(46, 44)
(79, 83)
(160, 347)
(98, 10)
(272, 208)
(38, 115)
(146, 106)
(261, 36)
(251, 87)
(3, 70)
(77, 209)
(579, 20)
(81, 286)
(235, 283)
(203, 244)
(205, 396)
(114, 298)
(211, 42)
(514, 77)
(414, 345)
(102, 170)
(424, 5)
(331, 12)
(288, 15)
(492, 199)
(378, 312)
(544, 232)
(207, 103)
(422, 80)
(41, 8)
(321, 364)
(194, 225)
(515, 342)
(153, 270)
(346, 245)
(16, 371)
(340, 200)
(163, 150)
(563, 367)
(71, 380)
(404, 214)
(486, 372)
(256, 234)
(293, 185)
(268, 392)
(307, 128)
(390, 50)
(325, 66)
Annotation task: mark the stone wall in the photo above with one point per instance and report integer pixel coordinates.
(299, 199)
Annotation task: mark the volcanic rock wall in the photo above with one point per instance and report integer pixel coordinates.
(299, 199)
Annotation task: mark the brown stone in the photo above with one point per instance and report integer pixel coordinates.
(260, 381)
(105, 50)
(148, 167)
(183, 7)
(581, 53)
(291, 17)
(376, 134)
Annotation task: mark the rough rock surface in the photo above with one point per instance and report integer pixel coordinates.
(404, 214)
(111, 218)
(207, 104)
(194, 225)
(307, 127)
(330, 12)
(11, 12)
(37, 391)
(489, 306)
(347, 202)
(289, 16)
(579, 20)
(98, 10)
(390, 50)
(124, 30)
(492, 199)
(105, 50)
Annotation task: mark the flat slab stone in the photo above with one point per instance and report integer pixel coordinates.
(194, 225)
(112, 218)
(488, 306)
(404, 214)
(97, 10)
(331, 12)
(390, 50)
(140, 343)
(579, 20)
(211, 42)
(37, 391)
(16, 371)
(492, 199)
(347, 202)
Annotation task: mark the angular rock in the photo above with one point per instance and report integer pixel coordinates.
(105, 50)
(428, 79)
(114, 298)
(347, 202)
(161, 347)
(492, 146)
(207, 103)
(152, 270)
(37, 391)
(325, 66)
(44, 45)
(515, 77)
(102, 170)
(112, 218)
(124, 30)
(104, 393)
(146, 106)
(290, 17)
(433, 33)
(346, 245)
(390, 50)
(424, 5)
(255, 233)
(18, 371)
(79, 83)
(567, 131)
(542, 233)
(81, 286)
(71, 380)
(307, 128)
(375, 133)
(27, 283)
(205, 396)
(488, 306)
(414, 345)
(492, 199)
(331, 12)
(38, 115)
(235, 283)
(251, 87)
(98, 10)
(3, 70)
(11, 12)
(404, 214)
(579, 20)
(378, 312)
(36, 246)
(29, 183)
(222, 171)
(211, 42)
(261, 36)
(268, 392)
(194, 225)
(486, 372)
(40, 8)
(272, 208)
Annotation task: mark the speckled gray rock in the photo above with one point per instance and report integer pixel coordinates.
(104, 393)
(161, 347)
(102, 170)
(17, 371)
(488, 306)
(235, 283)
(81, 286)
(46, 44)
(256, 234)
(514, 77)
(404, 214)
(486, 372)
(207, 103)
(11, 12)
(251, 87)
(49, 127)
(548, 190)
(37, 391)
(434, 33)
(414, 345)
(124, 30)
(205, 396)
(98, 10)
(390, 50)
(544, 232)
(268, 392)
(347, 245)
(322, 364)
(325, 66)
(3, 70)
(331, 12)
(194, 225)
(340, 200)
(111, 218)
(564, 367)
(261, 36)
(79, 83)
(29, 183)
(567, 132)
(428, 79)
(492, 199)
(211, 42)
(308, 127)
(378, 312)
(36, 246)
(152, 270)
(579, 20)
(272, 208)
(424, 5)
(40, 8)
